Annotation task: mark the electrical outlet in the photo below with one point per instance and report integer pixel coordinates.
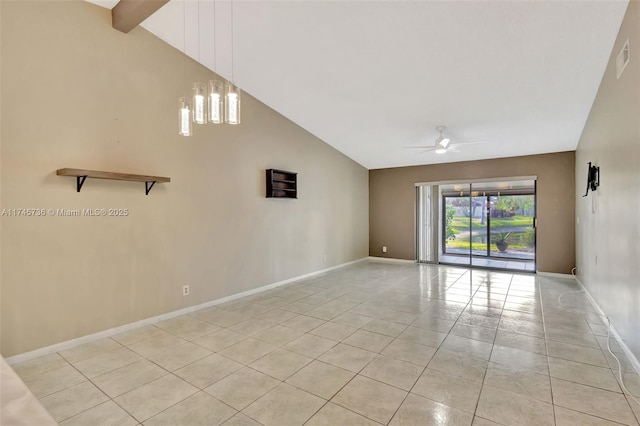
(185, 290)
(384, 249)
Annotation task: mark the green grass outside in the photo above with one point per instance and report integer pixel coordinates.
(461, 223)
(517, 240)
(465, 245)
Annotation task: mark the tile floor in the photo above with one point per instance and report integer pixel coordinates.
(371, 344)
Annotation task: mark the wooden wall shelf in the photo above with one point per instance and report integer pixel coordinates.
(282, 184)
(81, 175)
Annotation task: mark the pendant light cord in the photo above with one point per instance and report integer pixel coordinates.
(184, 42)
(232, 79)
(214, 35)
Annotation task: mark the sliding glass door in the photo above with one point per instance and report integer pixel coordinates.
(484, 224)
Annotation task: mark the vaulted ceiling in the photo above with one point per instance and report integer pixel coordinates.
(373, 77)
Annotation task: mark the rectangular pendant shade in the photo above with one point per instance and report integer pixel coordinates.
(231, 104)
(199, 94)
(184, 119)
(215, 102)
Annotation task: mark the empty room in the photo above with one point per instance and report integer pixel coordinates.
(282, 213)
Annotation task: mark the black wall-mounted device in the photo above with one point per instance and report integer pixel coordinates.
(593, 178)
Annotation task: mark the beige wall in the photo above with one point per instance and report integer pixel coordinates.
(76, 93)
(392, 203)
(608, 225)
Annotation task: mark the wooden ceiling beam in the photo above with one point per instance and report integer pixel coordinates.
(128, 14)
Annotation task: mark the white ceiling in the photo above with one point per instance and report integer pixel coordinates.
(371, 77)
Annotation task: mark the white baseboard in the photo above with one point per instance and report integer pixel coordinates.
(390, 260)
(632, 358)
(137, 324)
(554, 274)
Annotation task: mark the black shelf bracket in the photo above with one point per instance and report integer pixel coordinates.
(79, 182)
(148, 187)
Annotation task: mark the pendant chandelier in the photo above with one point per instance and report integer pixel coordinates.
(216, 102)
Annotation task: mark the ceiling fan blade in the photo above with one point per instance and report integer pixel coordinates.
(453, 149)
(429, 149)
(466, 143)
(419, 146)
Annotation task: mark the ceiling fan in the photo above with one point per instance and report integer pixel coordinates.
(442, 144)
